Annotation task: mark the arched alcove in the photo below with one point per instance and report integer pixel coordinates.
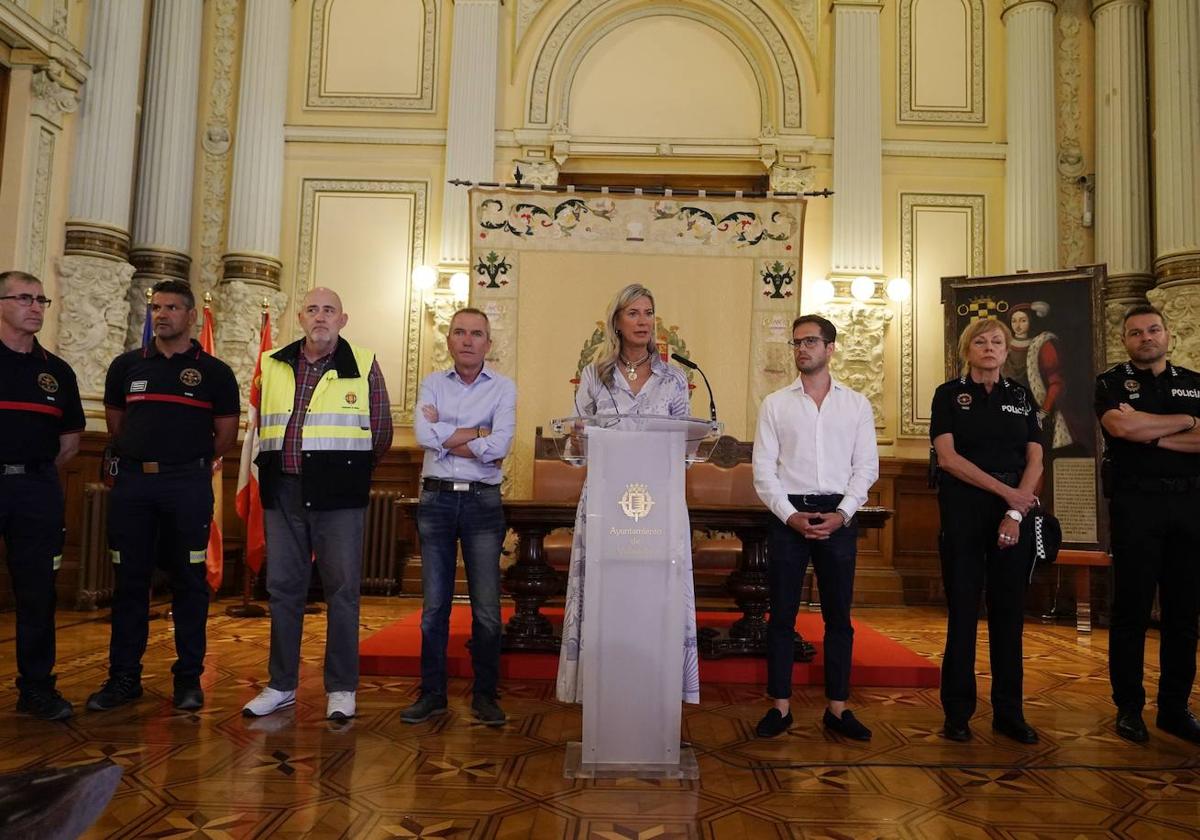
(664, 76)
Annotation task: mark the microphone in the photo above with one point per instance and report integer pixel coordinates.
(712, 403)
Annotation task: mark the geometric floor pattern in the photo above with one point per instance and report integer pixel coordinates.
(213, 774)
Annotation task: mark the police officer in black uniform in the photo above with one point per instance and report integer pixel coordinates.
(1148, 409)
(986, 437)
(41, 418)
(171, 410)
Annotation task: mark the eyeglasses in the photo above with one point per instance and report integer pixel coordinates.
(809, 342)
(28, 300)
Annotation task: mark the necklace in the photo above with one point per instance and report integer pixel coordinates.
(631, 367)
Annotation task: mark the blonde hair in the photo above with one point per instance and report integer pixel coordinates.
(977, 328)
(606, 361)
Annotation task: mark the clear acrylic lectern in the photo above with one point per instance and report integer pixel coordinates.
(638, 551)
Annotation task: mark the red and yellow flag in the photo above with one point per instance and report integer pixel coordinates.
(214, 558)
(249, 504)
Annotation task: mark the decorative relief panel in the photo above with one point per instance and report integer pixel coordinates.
(1073, 238)
(858, 362)
(1181, 306)
(552, 58)
(403, 402)
(318, 97)
(216, 142)
(39, 217)
(92, 317)
(237, 312)
(912, 109)
(914, 419)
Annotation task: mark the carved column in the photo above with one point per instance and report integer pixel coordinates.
(857, 141)
(1122, 158)
(471, 130)
(251, 265)
(1030, 224)
(163, 213)
(1177, 172)
(95, 269)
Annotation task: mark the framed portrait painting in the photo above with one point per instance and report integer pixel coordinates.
(1057, 322)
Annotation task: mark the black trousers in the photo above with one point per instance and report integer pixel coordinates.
(1155, 545)
(971, 562)
(833, 560)
(31, 522)
(159, 520)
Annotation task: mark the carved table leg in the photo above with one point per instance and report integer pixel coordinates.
(531, 581)
(749, 587)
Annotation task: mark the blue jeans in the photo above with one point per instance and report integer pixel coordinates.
(475, 519)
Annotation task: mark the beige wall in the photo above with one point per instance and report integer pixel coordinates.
(692, 86)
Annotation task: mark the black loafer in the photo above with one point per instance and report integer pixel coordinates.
(773, 723)
(958, 731)
(1131, 727)
(1018, 730)
(847, 725)
(1181, 724)
(188, 698)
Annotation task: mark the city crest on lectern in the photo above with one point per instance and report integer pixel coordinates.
(636, 501)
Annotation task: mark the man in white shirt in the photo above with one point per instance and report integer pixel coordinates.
(814, 461)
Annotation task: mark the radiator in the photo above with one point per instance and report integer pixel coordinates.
(95, 565)
(381, 556)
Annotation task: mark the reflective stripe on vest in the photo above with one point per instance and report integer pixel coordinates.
(339, 411)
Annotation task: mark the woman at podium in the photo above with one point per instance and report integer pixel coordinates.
(628, 377)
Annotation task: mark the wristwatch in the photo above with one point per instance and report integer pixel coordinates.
(1015, 516)
(480, 432)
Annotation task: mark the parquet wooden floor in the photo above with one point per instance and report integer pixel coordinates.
(212, 774)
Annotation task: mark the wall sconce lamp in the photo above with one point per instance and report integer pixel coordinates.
(424, 277)
(460, 285)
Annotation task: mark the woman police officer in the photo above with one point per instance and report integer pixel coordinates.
(986, 437)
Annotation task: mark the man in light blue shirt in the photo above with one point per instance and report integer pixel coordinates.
(465, 425)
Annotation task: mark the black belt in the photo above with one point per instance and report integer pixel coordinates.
(447, 486)
(815, 500)
(156, 467)
(23, 469)
(1146, 484)
(1012, 479)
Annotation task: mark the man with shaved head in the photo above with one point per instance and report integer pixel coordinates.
(324, 423)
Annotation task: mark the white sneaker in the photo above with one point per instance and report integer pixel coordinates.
(340, 706)
(269, 700)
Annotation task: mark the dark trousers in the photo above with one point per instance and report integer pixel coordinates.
(31, 523)
(159, 520)
(474, 518)
(1156, 545)
(833, 560)
(296, 536)
(971, 561)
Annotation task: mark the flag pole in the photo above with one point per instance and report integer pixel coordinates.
(248, 609)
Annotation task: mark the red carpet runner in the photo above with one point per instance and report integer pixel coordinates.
(878, 661)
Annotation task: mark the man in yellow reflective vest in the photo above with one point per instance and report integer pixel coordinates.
(324, 423)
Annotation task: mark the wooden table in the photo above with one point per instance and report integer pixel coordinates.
(531, 581)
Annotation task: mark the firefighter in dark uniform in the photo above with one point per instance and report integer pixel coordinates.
(986, 437)
(171, 410)
(1148, 409)
(41, 418)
